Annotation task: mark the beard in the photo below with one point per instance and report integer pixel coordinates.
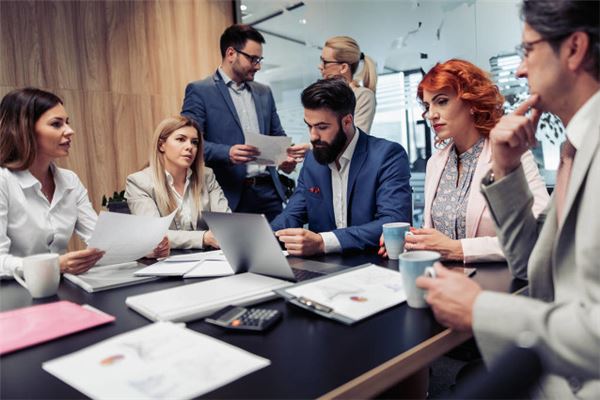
(245, 74)
(326, 153)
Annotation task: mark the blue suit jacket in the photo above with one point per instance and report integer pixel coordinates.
(209, 104)
(378, 192)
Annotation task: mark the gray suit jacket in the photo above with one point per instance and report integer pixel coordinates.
(141, 199)
(562, 263)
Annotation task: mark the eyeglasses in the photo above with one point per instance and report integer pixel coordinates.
(524, 48)
(254, 60)
(325, 62)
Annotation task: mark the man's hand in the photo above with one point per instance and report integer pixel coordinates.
(301, 242)
(431, 239)
(78, 262)
(451, 296)
(382, 250)
(243, 153)
(298, 151)
(512, 136)
(209, 240)
(288, 165)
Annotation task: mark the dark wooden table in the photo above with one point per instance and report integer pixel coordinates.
(310, 356)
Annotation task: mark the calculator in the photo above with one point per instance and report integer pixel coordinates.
(246, 319)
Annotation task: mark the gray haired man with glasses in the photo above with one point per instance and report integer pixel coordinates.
(227, 107)
(559, 252)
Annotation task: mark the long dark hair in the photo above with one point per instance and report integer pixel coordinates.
(19, 112)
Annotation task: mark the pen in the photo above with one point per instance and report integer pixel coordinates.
(314, 305)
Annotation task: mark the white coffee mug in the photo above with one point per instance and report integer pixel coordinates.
(41, 275)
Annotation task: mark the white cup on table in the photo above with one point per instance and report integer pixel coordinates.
(40, 275)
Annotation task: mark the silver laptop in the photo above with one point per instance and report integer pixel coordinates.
(250, 245)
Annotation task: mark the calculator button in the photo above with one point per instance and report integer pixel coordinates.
(236, 322)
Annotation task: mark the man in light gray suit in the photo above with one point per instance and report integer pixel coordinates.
(560, 251)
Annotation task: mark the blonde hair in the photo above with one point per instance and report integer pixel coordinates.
(346, 50)
(165, 199)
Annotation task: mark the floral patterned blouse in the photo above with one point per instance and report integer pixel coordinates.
(449, 208)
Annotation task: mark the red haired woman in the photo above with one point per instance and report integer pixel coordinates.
(462, 105)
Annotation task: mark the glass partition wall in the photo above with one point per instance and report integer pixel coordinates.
(405, 38)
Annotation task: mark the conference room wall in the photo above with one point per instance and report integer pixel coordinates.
(120, 67)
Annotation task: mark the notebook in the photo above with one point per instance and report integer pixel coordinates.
(250, 245)
(189, 302)
(28, 326)
(109, 277)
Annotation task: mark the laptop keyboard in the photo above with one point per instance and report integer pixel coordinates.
(304, 275)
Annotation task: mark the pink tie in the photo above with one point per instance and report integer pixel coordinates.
(567, 153)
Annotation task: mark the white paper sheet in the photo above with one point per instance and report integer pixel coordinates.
(163, 268)
(126, 237)
(200, 256)
(356, 294)
(160, 361)
(273, 149)
(188, 269)
(209, 268)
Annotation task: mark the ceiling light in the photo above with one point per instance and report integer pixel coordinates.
(243, 7)
(302, 21)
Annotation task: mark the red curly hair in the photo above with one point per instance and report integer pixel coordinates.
(472, 85)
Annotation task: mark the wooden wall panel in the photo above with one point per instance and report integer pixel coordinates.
(120, 66)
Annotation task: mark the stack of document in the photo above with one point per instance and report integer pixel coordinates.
(196, 265)
(161, 360)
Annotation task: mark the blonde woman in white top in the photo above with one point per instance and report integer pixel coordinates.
(176, 179)
(341, 57)
(41, 205)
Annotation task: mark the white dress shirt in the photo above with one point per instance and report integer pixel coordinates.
(583, 121)
(339, 189)
(30, 225)
(246, 111)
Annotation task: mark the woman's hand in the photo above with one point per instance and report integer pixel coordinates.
(78, 262)
(431, 239)
(209, 240)
(162, 250)
(382, 251)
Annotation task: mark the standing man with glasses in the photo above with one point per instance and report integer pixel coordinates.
(229, 105)
(559, 253)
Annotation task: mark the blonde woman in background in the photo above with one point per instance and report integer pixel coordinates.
(341, 57)
(177, 179)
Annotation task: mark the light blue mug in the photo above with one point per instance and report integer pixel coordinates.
(393, 236)
(412, 265)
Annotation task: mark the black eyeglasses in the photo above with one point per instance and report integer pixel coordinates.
(254, 60)
(524, 48)
(325, 62)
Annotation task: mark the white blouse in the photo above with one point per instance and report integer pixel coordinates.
(30, 225)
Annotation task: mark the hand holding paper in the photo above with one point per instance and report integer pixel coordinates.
(273, 149)
(125, 237)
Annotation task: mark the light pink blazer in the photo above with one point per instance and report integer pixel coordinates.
(481, 243)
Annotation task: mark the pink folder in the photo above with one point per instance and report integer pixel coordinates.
(28, 326)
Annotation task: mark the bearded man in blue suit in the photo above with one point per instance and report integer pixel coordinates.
(351, 183)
